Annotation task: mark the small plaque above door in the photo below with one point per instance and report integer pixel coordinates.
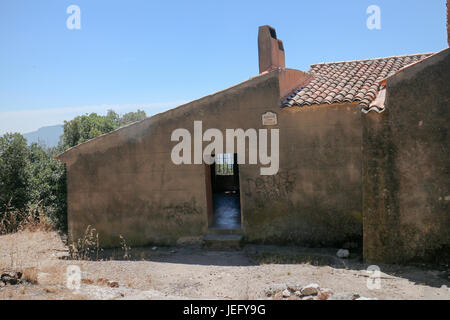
(269, 119)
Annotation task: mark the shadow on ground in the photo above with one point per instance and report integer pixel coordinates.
(252, 255)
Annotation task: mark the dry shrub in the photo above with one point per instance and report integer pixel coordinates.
(86, 247)
(126, 249)
(107, 283)
(30, 275)
(33, 218)
(10, 221)
(37, 222)
(87, 281)
(102, 281)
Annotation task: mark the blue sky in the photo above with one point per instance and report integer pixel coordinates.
(158, 54)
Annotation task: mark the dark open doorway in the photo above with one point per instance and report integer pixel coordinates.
(223, 196)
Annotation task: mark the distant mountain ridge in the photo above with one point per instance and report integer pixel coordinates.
(46, 135)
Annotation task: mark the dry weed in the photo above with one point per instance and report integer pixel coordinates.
(126, 249)
(86, 247)
(32, 219)
(30, 275)
(87, 281)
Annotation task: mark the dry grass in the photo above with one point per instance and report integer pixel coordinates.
(31, 252)
(86, 247)
(35, 254)
(31, 219)
(126, 249)
(87, 281)
(30, 275)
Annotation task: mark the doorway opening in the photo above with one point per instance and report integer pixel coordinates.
(224, 197)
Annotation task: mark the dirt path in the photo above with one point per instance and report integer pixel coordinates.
(192, 273)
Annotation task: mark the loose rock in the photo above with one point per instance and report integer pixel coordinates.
(286, 293)
(310, 289)
(278, 296)
(11, 278)
(274, 288)
(324, 294)
(294, 287)
(344, 296)
(343, 253)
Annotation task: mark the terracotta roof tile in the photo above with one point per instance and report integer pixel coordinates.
(348, 81)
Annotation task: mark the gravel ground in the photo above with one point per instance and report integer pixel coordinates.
(193, 273)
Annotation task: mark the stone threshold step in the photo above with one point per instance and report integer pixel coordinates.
(224, 231)
(222, 241)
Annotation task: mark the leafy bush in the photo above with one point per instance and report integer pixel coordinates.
(14, 171)
(33, 183)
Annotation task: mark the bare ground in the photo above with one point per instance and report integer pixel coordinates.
(193, 273)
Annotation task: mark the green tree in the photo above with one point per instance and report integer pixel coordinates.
(85, 127)
(88, 126)
(30, 176)
(131, 117)
(48, 184)
(14, 171)
(112, 116)
(71, 136)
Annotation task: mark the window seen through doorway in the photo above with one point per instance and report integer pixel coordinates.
(224, 164)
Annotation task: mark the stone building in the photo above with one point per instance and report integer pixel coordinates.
(362, 158)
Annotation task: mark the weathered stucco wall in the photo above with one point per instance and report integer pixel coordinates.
(406, 178)
(124, 183)
(315, 199)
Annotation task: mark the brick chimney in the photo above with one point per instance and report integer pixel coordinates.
(270, 50)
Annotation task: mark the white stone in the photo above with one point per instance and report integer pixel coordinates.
(310, 289)
(343, 253)
(286, 293)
